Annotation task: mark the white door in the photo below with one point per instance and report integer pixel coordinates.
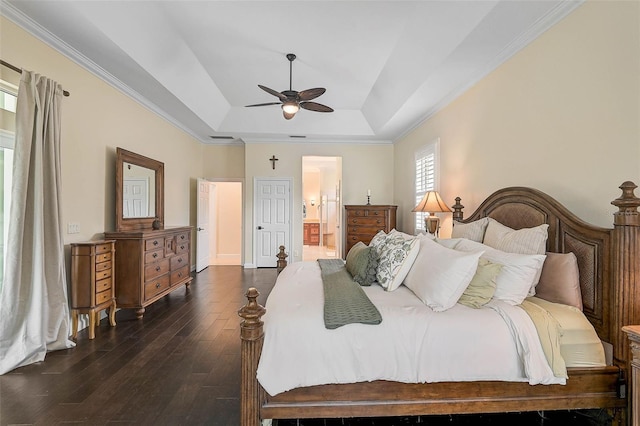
(272, 204)
(202, 236)
(135, 198)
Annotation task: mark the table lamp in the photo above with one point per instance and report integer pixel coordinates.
(431, 203)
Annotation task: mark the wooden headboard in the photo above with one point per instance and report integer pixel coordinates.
(597, 249)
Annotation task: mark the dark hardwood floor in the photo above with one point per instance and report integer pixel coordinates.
(180, 365)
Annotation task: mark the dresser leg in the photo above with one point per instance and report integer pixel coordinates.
(112, 314)
(92, 325)
(74, 324)
(140, 313)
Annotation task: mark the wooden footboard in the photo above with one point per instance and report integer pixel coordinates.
(609, 270)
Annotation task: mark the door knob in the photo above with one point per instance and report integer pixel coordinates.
(259, 227)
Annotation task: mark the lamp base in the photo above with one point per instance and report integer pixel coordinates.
(432, 224)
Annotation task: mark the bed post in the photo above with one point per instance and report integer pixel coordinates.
(282, 260)
(252, 336)
(626, 268)
(457, 210)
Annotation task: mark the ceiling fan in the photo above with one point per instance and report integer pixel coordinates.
(292, 100)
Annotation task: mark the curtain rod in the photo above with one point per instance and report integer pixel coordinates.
(18, 70)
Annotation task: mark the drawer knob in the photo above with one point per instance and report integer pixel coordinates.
(157, 285)
(180, 260)
(155, 255)
(157, 268)
(179, 274)
(155, 242)
(378, 221)
(182, 247)
(182, 237)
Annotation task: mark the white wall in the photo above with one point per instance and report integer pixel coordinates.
(562, 115)
(363, 167)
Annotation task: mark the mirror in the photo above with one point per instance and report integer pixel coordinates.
(139, 192)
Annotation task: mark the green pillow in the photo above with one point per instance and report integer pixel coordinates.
(361, 264)
(482, 286)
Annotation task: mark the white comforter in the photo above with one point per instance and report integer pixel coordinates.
(413, 344)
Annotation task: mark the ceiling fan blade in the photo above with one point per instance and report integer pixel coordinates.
(307, 95)
(272, 92)
(268, 103)
(314, 106)
(287, 115)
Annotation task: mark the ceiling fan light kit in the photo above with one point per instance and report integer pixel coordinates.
(291, 100)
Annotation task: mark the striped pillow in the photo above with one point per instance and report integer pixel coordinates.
(523, 241)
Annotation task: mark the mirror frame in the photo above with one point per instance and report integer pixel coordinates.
(138, 223)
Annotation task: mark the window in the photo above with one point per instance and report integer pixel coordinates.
(8, 99)
(426, 176)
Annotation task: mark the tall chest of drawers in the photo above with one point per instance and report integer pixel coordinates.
(150, 264)
(92, 289)
(363, 222)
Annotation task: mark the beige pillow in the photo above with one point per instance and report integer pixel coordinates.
(473, 231)
(560, 280)
(482, 286)
(521, 241)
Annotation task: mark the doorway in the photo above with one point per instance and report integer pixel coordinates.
(220, 223)
(321, 207)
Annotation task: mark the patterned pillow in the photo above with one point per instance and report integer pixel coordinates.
(361, 264)
(395, 255)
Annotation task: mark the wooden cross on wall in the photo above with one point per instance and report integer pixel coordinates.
(273, 160)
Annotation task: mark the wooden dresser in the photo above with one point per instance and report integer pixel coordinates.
(311, 236)
(150, 264)
(92, 289)
(363, 222)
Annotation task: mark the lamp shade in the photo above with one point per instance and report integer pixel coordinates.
(431, 203)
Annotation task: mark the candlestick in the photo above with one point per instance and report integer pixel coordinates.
(368, 200)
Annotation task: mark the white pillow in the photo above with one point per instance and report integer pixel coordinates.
(440, 275)
(396, 254)
(473, 231)
(449, 243)
(523, 241)
(519, 271)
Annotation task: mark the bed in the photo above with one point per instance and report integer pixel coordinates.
(608, 267)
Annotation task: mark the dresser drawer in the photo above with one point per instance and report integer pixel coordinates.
(103, 248)
(365, 229)
(156, 269)
(367, 220)
(182, 248)
(103, 285)
(366, 213)
(179, 260)
(154, 243)
(103, 257)
(152, 256)
(155, 287)
(102, 266)
(100, 275)
(182, 237)
(179, 275)
(103, 296)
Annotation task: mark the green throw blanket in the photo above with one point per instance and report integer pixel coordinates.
(344, 301)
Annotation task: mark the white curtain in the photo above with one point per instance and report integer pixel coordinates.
(34, 312)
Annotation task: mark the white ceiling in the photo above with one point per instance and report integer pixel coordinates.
(386, 65)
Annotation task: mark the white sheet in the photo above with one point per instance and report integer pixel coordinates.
(470, 344)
